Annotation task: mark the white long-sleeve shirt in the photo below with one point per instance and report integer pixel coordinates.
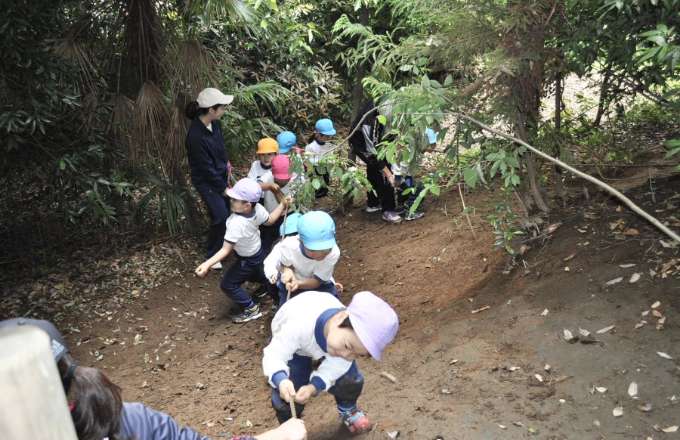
(293, 332)
(287, 253)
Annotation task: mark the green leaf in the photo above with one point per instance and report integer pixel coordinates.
(470, 176)
(382, 119)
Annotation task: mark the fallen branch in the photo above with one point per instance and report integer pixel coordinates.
(388, 376)
(467, 216)
(635, 208)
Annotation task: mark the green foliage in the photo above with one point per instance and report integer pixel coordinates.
(673, 147)
(505, 229)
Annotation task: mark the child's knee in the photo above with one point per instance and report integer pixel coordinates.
(349, 387)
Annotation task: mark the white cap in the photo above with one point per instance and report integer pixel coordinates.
(210, 97)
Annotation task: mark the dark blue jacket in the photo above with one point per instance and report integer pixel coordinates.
(140, 422)
(207, 156)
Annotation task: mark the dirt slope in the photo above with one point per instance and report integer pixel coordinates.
(175, 349)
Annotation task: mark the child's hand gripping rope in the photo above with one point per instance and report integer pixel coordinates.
(202, 270)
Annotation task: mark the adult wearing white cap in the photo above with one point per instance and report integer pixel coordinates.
(209, 161)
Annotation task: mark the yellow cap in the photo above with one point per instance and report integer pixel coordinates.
(267, 145)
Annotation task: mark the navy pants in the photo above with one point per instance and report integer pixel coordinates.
(346, 390)
(244, 269)
(327, 286)
(218, 209)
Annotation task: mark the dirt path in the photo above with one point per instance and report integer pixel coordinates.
(460, 375)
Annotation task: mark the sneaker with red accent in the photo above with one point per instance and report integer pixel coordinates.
(356, 421)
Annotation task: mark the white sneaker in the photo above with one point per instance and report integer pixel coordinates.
(372, 208)
(391, 217)
(216, 266)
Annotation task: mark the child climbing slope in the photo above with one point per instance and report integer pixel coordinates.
(243, 236)
(305, 262)
(314, 326)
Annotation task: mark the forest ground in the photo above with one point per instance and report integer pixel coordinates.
(165, 337)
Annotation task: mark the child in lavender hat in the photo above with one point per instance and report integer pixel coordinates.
(243, 237)
(313, 326)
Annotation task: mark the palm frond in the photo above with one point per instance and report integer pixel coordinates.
(221, 10)
(269, 93)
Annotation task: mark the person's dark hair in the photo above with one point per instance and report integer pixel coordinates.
(346, 323)
(366, 107)
(98, 405)
(192, 109)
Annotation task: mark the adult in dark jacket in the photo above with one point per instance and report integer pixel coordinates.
(209, 161)
(98, 410)
(364, 143)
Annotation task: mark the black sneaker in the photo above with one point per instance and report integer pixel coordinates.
(248, 314)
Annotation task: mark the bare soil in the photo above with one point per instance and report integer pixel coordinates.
(460, 375)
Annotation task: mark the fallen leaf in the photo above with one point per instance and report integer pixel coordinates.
(633, 389)
(453, 362)
(446, 391)
(664, 355)
(656, 304)
(657, 313)
(393, 435)
(545, 312)
(481, 309)
(568, 335)
(640, 324)
(583, 332)
(634, 278)
(614, 281)
(618, 411)
(502, 426)
(670, 429)
(647, 407)
(547, 367)
(605, 329)
(138, 339)
(631, 232)
(514, 368)
(626, 266)
(538, 377)
(567, 258)
(645, 313)
(601, 390)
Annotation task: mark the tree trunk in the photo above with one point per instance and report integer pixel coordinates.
(526, 45)
(357, 88)
(603, 103)
(141, 61)
(557, 171)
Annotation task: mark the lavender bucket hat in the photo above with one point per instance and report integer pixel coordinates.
(374, 321)
(247, 190)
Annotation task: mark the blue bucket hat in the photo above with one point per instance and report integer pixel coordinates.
(290, 226)
(286, 140)
(317, 231)
(325, 127)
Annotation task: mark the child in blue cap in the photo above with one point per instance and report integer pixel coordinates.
(319, 147)
(306, 261)
(287, 142)
(406, 186)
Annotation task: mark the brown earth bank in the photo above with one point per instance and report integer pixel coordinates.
(505, 371)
